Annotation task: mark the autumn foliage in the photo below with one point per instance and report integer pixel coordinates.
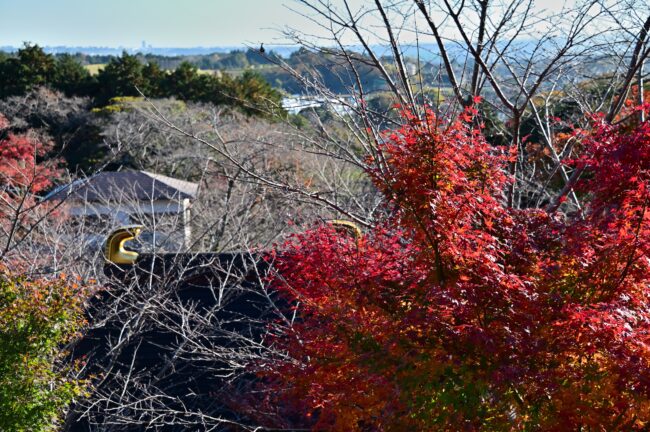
(37, 319)
(27, 169)
(22, 162)
(39, 315)
(457, 312)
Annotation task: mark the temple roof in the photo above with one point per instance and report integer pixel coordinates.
(118, 186)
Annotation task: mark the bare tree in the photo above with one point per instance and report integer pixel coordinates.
(300, 174)
(170, 339)
(515, 55)
(172, 342)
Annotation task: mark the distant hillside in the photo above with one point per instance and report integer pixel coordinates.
(308, 66)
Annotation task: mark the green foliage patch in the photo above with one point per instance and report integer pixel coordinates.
(37, 318)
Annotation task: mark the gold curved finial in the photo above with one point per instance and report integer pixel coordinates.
(351, 227)
(115, 251)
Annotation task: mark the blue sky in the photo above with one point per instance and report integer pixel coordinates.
(163, 23)
(177, 23)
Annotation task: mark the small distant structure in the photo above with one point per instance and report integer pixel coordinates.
(341, 105)
(109, 199)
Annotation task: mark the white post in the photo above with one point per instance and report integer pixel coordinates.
(187, 228)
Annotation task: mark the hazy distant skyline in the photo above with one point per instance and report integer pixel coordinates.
(161, 23)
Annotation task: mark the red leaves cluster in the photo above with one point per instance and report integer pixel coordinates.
(459, 313)
(21, 161)
(27, 169)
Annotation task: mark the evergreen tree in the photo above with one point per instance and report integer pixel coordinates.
(71, 77)
(153, 77)
(122, 76)
(183, 82)
(30, 68)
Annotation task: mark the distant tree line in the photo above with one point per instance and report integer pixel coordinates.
(205, 78)
(311, 65)
(236, 59)
(126, 75)
(291, 74)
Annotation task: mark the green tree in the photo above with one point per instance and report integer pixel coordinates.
(37, 317)
(37, 67)
(30, 68)
(211, 89)
(71, 77)
(154, 78)
(254, 95)
(183, 83)
(122, 76)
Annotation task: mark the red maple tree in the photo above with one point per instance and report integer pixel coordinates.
(26, 170)
(22, 164)
(457, 312)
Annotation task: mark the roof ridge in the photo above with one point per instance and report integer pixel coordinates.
(168, 186)
(168, 181)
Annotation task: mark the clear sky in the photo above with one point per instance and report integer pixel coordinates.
(161, 23)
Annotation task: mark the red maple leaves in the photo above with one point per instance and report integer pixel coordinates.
(458, 312)
(27, 169)
(21, 161)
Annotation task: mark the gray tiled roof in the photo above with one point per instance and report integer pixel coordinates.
(117, 186)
